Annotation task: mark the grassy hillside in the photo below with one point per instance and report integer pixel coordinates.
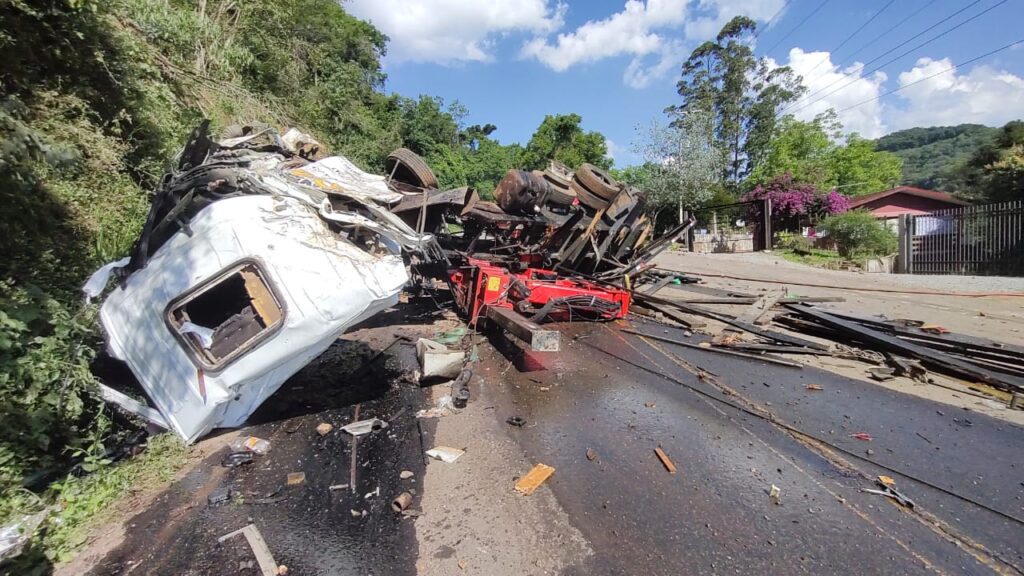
(931, 156)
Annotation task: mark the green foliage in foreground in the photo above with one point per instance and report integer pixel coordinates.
(81, 503)
(858, 234)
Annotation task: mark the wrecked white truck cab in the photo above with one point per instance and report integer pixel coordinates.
(250, 265)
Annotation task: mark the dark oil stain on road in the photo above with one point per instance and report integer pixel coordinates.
(309, 528)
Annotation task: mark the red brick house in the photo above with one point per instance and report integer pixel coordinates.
(905, 200)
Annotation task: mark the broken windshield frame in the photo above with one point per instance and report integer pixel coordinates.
(236, 310)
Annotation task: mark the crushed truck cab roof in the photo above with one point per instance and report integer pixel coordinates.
(252, 262)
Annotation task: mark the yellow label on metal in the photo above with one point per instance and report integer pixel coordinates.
(493, 284)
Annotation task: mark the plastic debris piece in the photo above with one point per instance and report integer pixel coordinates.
(369, 495)
(219, 495)
(814, 387)
(445, 453)
(15, 535)
(775, 493)
(204, 334)
(236, 459)
(324, 428)
(250, 443)
(887, 480)
(665, 460)
(335, 487)
(649, 405)
(437, 361)
(365, 426)
(445, 405)
(534, 478)
(862, 436)
(296, 478)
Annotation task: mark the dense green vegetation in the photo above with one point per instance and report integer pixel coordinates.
(932, 156)
(975, 162)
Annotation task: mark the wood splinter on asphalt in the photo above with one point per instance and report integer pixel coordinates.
(665, 460)
(534, 478)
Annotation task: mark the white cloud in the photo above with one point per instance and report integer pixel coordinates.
(715, 13)
(629, 32)
(828, 86)
(447, 31)
(984, 95)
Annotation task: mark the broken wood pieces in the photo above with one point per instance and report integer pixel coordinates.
(665, 460)
(268, 566)
(534, 478)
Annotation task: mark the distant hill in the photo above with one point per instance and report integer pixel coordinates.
(932, 155)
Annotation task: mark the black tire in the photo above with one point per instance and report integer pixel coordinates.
(598, 182)
(587, 198)
(406, 166)
(561, 196)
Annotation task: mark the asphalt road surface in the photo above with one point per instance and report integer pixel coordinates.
(732, 427)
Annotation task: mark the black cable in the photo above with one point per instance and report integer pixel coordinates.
(930, 76)
(890, 29)
(860, 72)
(771, 418)
(850, 37)
(794, 29)
(772, 19)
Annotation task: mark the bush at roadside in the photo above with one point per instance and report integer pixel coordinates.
(858, 234)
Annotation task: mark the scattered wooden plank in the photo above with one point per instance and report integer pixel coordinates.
(534, 478)
(268, 566)
(757, 310)
(665, 460)
(761, 357)
(931, 358)
(746, 326)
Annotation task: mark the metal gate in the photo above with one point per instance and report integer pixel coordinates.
(973, 240)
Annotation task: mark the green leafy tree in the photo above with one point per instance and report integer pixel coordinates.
(934, 157)
(682, 162)
(810, 153)
(426, 125)
(560, 137)
(744, 95)
(994, 173)
(857, 168)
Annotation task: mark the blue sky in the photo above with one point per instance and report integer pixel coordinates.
(616, 63)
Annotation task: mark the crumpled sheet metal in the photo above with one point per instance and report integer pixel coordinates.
(326, 284)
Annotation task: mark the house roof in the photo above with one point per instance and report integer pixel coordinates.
(930, 194)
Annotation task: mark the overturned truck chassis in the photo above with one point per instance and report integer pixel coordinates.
(258, 253)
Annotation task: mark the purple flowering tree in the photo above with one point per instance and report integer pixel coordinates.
(793, 202)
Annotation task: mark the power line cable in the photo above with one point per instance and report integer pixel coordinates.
(795, 28)
(890, 29)
(930, 76)
(850, 37)
(865, 65)
(772, 19)
(890, 61)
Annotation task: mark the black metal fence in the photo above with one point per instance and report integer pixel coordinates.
(974, 240)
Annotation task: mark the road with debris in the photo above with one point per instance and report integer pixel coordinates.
(621, 397)
(728, 426)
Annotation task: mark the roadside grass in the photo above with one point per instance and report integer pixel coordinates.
(82, 504)
(813, 257)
